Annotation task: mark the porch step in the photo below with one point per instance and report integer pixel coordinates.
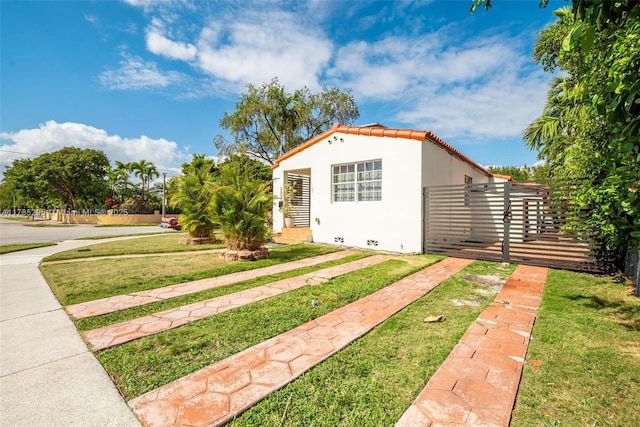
(294, 235)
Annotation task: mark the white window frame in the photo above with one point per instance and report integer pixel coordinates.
(357, 182)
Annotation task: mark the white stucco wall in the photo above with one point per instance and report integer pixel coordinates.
(441, 168)
(394, 222)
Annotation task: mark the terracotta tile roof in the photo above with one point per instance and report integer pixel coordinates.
(377, 129)
(507, 177)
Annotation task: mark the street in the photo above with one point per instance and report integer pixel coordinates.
(15, 232)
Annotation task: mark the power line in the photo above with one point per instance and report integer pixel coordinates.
(18, 152)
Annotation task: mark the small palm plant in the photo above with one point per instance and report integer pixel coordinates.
(240, 206)
(193, 195)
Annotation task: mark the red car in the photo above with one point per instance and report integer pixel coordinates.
(170, 223)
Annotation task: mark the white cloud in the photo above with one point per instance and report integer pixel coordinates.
(477, 87)
(256, 47)
(52, 136)
(160, 45)
(479, 90)
(136, 73)
(145, 4)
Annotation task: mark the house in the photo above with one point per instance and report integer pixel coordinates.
(362, 186)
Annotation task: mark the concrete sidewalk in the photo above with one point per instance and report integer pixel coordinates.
(48, 377)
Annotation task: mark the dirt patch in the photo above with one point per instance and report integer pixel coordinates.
(462, 302)
(631, 349)
(487, 280)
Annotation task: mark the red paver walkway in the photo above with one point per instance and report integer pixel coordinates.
(477, 384)
(122, 302)
(213, 395)
(119, 333)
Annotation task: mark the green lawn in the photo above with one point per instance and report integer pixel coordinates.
(73, 283)
(583, 364)
(111, 236)
(167, 242)
(582, 368)
(5, 249)
(147, 309)
(374, 380)
(144, 364)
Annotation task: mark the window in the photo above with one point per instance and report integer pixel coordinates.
(362, 180)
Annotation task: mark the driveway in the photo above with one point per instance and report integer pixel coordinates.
(13, 232)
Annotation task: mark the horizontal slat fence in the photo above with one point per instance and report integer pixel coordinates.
(519, 222)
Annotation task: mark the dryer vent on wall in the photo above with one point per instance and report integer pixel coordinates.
(338, 239)
(372, 243)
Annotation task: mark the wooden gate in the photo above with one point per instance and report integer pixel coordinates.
(519, 222)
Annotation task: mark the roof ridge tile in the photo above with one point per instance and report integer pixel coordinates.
(378, 130)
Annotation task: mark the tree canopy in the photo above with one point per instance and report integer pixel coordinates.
(71, 177)
(248, 168)
(588, 132)
(522, 173)
(268, 121)
(77, 178)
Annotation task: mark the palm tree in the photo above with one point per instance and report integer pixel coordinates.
(146, 171)
(193, 194)
(123, 169)
(241, 206)
(150, 172)
(113, 177)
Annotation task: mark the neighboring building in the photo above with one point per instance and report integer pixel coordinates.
(362, 186)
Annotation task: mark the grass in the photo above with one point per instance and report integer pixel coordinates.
(73, 283)
(147, 309)
(111, 236)
(583, 365)
(5, 249)
(47, 224)
(147, 363)
(144, 245)
(374, 380)
(145, 224)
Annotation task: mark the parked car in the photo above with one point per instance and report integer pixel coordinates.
(170, 223)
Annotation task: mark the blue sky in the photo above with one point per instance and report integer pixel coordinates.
(148, 79)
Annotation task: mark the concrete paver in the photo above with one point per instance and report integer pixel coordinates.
(213, 395)
(478, 382)
(119, 333)
(47, 375)
(122, 302)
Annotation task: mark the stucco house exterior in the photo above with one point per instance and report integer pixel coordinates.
(362, 186)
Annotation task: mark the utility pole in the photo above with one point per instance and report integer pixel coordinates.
(164, 186)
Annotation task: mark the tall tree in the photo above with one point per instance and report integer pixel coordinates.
(590, 127)
(587, 132)
(74, 175)
(113, 178)
(146, 171)
(20, 189)
(249, 168)
(268, 121)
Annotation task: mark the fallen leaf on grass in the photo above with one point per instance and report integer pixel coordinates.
(535, 364)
